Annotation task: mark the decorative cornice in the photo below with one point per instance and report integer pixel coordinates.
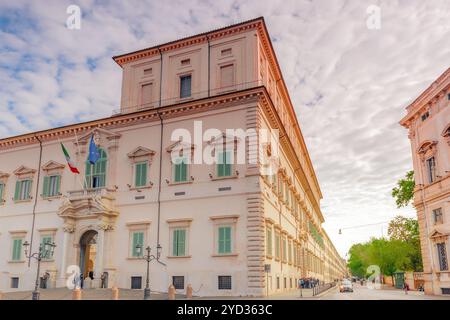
(189, 41)
(436, 89)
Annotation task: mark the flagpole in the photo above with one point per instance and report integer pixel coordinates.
(79, 154)
(78, 178)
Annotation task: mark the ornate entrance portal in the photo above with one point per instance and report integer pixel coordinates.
(88, 251)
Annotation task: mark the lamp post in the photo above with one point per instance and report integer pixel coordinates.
(45, 250)
(148, 257)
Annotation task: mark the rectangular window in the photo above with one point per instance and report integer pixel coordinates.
(185, 86)
(17, 249)
(178, 282)
(136, 282)
(425, 116)
(290, 251)
(185, 62)
(148, 71)
(437, 216)
(226, 52)
(14, 282)
(284, 251)
(226, 76)
(47, 239)
(23, 190)
(146, 94)
(269, 240)
(277, 245)
(224, 282)
(431, 169)
(180, 170)
(2, 192)
(442, 256)
(278, 282)
(140, 179)
(224, 164)
(285, 282)
(224, 245)
(179, 243)
(137, 239)
(51, 186)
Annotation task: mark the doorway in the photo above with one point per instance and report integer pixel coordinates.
(88, 250)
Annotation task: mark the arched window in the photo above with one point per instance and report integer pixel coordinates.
(96, 173)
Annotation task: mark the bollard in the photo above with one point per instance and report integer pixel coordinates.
(189, 291)
(171, 292)
(76, 294)
(114, 293)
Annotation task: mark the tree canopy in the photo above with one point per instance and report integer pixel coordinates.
(404, 192)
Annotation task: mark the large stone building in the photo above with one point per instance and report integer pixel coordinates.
(218, 224)
(428, 121)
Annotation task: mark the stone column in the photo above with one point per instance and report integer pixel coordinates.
(98, 269)
(68, 232)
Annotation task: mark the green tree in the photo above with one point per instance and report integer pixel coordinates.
(404, 192)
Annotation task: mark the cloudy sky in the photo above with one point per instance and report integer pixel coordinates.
(349, 84)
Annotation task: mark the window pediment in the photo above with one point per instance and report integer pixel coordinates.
(426, 146)
(23, 170)
(438, 235)
(141, 152)
(4, 175)
(222, 139)
(180, 146)
(52, 165)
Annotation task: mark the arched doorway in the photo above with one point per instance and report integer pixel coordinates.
(88, 251)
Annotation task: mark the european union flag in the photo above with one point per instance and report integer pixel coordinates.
(94, 154)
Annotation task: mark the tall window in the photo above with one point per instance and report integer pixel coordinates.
(226, 76)
(431, 169)
(137, 239)
(224, 245)
(185, 86)
(284, 251)
(140, 179)
(17, 247)
(96, 174)
(269, 241)
(47, 239)
(442, 256)
(290, 251)
(179, 243)
(146, 94)
(224, 164)
(277, 245)
(23, 190)
(51, 186)
(2, 192)
(180, 168)
(437, 216)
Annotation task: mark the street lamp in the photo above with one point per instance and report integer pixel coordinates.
(148, 257)
(45, 250)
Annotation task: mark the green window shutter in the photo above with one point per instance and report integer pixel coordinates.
(175, 243)
(138, 239)
(227, 165)
(58, 185)
(17, 191)
(17, 249)
(2, 188)
(221, 240)
(45, 191)
(27, 189)
(44, 240)
(228, 239)
(181, 242)
(183, 170)
(141, 174)
(221, 165)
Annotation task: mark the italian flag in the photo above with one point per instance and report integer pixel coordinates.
(71, 164)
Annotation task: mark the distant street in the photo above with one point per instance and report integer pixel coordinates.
(364, 293)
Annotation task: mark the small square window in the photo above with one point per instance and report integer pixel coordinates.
(226, 52)
(425, 116)
(136, 282)
(178, 282)
(15, 283)
(148, 71)
(185, 62)
(224, 282)
(448, 96)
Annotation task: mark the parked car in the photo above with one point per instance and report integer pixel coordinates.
(346, 286)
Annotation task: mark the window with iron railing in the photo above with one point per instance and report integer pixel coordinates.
(442, 256)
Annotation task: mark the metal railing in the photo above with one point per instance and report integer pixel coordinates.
(194, 96)
(323, 287)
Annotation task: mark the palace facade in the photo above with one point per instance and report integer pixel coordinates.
(226, 228)
(428, 122)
